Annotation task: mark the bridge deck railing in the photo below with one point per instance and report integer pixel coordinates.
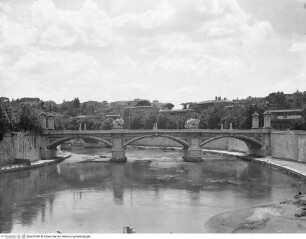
(153, 131)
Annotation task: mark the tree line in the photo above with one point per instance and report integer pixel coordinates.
(24, 115)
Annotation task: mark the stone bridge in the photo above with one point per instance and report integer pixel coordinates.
(257, 140)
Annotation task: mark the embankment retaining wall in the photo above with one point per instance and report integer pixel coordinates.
(19, 146)
(289, 145)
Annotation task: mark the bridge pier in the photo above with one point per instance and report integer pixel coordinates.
(192, 155)
(118, 151)
(118, 156)
(48, 154)
(44, 152)
(194, 152)
(265, 150)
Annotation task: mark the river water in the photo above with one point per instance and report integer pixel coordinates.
(155, 191)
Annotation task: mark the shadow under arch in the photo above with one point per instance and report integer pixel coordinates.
(176, 139)
(57, 142)
(250, 142)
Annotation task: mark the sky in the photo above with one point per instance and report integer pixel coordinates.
(168, 50)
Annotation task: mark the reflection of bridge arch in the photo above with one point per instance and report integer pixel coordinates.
(57, 142)
(178, 140)
(250, 142)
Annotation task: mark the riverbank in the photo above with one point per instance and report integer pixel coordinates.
(288, 216)
(283, 217)
(293, 168)
(36, 164)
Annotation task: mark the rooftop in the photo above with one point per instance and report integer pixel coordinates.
(287, 110)
(175, 111)
(138, 107)
(215, 101)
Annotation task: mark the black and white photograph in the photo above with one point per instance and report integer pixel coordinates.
(184, 117)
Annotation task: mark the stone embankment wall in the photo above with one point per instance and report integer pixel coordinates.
(289, 145)
(19, 146)
(222, 144)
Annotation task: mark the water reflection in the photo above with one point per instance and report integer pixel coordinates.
(151, 195)
(118, 178)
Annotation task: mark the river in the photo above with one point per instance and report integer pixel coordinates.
(155, 191)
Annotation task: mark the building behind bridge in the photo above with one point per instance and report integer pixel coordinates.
(288, 119)
(209, 105)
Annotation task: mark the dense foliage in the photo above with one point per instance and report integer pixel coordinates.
(143, 103)
(24, 114)
(142, 122)
(4, 123)
(29, 119)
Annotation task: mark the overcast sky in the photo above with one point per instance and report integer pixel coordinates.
(170, 50)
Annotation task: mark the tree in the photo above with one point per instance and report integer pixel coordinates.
(212, 119)
(237, 116)
(299, 125)
(138, 123)
(171, 124)
(250, 110)
(29, 119)
(92, 123)
(162, 121)
(204, 117)
(59, 122)
(76, 103)
(169, 106)
(143, 103)
(4, 123)
(107, 124)
(278, 98)
(71, 124)
(150, 120)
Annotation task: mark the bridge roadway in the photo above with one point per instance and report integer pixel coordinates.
(257, 140)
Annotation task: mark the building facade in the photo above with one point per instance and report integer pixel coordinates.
(287, 119)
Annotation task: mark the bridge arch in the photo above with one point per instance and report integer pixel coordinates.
(57, 142)
(250, 142)
(184, 143)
